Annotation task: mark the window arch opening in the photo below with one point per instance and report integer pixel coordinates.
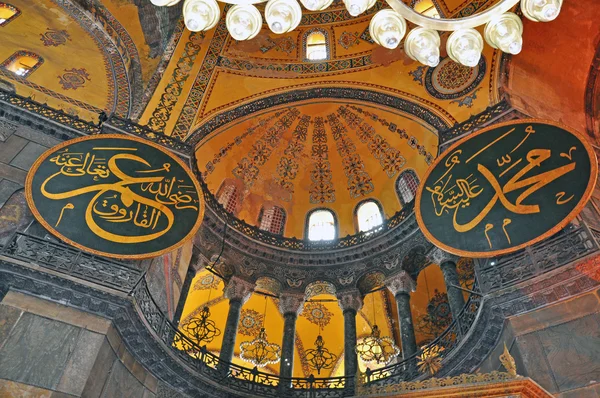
(229, 196)
(272, 219)
(368, 216)
(406, 186)
(22, 63)
(316, 46)
(8, 12)
(321, 225)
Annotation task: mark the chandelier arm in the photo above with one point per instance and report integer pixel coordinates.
(451, 24)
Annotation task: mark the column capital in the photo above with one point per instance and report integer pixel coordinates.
(401, 282)
(238, 289)
(291, 303)
(439, 256)
(350, 299)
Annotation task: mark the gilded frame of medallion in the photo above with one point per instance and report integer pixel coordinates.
(559, 226)
(53, 231)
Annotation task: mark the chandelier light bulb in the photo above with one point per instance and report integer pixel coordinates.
(423, 45)
(541, 10)
(201, 14)
(357, 7)
(506, 33)
(243, 21)
(387, 28)
(164, 3)
(283, 15)
(316, 5)
(464, 46)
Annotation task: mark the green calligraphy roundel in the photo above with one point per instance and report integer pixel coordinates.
(115, 196)
(505, 187)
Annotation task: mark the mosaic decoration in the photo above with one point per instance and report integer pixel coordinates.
(224, 151)
(334, 16)
(248, 168)
(196, 94)
(466, 101)
(319, 287)
(115, 196)
(412, 141)
(317, 314)
(366, 36)
(250, 322)
(437, 318)
(283, 44)
(54, 37)
(450, 80)
(287, 169)
(207, 282)
(528, 180)
(74, 78)
(418, 74)
(389, 157)
(174, 88)
(359, 181)
(348, 39)
(321, 189)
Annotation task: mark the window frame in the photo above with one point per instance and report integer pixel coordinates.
(396, 185)
(20, 53)
(362, 203)
(12, 18)
(283, 222)
(335, 224)
(224, 185)
(305, 36)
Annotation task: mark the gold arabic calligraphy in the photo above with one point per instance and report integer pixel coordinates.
(450, 194)
(115, 202)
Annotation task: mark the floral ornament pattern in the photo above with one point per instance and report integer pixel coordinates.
(284, 44)
(437, 318)
(321, 188)
(207, 282)
(450, 80)
(54, 37)
(429, 361)
(418, 74)
(317, 314)
(288, 167)
(349, 39)
(466, 272)
(74, 78)
(250, 322)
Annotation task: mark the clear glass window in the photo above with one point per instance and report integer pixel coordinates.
(8, 13)
(368, 216)
(321, 225)
(22, 63)
(316, 46)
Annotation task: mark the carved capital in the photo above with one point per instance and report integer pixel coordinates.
(291, 303)
(438, 256)
(238, 289)
(401, 282)
(350, 300)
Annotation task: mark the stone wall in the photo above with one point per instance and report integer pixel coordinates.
(50, 350)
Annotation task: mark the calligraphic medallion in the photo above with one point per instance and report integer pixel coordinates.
(506, 187)
(115, 196)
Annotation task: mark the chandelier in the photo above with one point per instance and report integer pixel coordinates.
(503, 29)
(201, 328)
(319, 357)
(375, 348)
(258, 351)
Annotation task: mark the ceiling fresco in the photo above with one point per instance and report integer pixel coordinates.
(316, 154)
(321, 313)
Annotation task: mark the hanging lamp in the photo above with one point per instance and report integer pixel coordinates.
(374, 348)
(258, 351)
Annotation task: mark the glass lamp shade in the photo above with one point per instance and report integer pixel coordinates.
(423, 45)
(163, 3)
(201, 14)
(541, 10)
(357, 7)
(387, 28)
(505, 32)
(316, 5)
(464, 46)
(243, 21)
(283, 15)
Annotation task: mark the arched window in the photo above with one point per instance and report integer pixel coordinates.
(368, 216)
(316, 48)
(229, 196)
(22, 63)
(8, 13)
(406, 186)
(426, 7)
(272, 219)
(321, 225)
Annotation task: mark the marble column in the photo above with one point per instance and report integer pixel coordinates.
(290, 305)
(238, 292)
(455, 295)
(350, 301)
(401, 285)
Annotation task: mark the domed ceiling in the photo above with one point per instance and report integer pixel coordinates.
(317, 154)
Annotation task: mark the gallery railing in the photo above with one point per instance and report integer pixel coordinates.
(301, 244)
